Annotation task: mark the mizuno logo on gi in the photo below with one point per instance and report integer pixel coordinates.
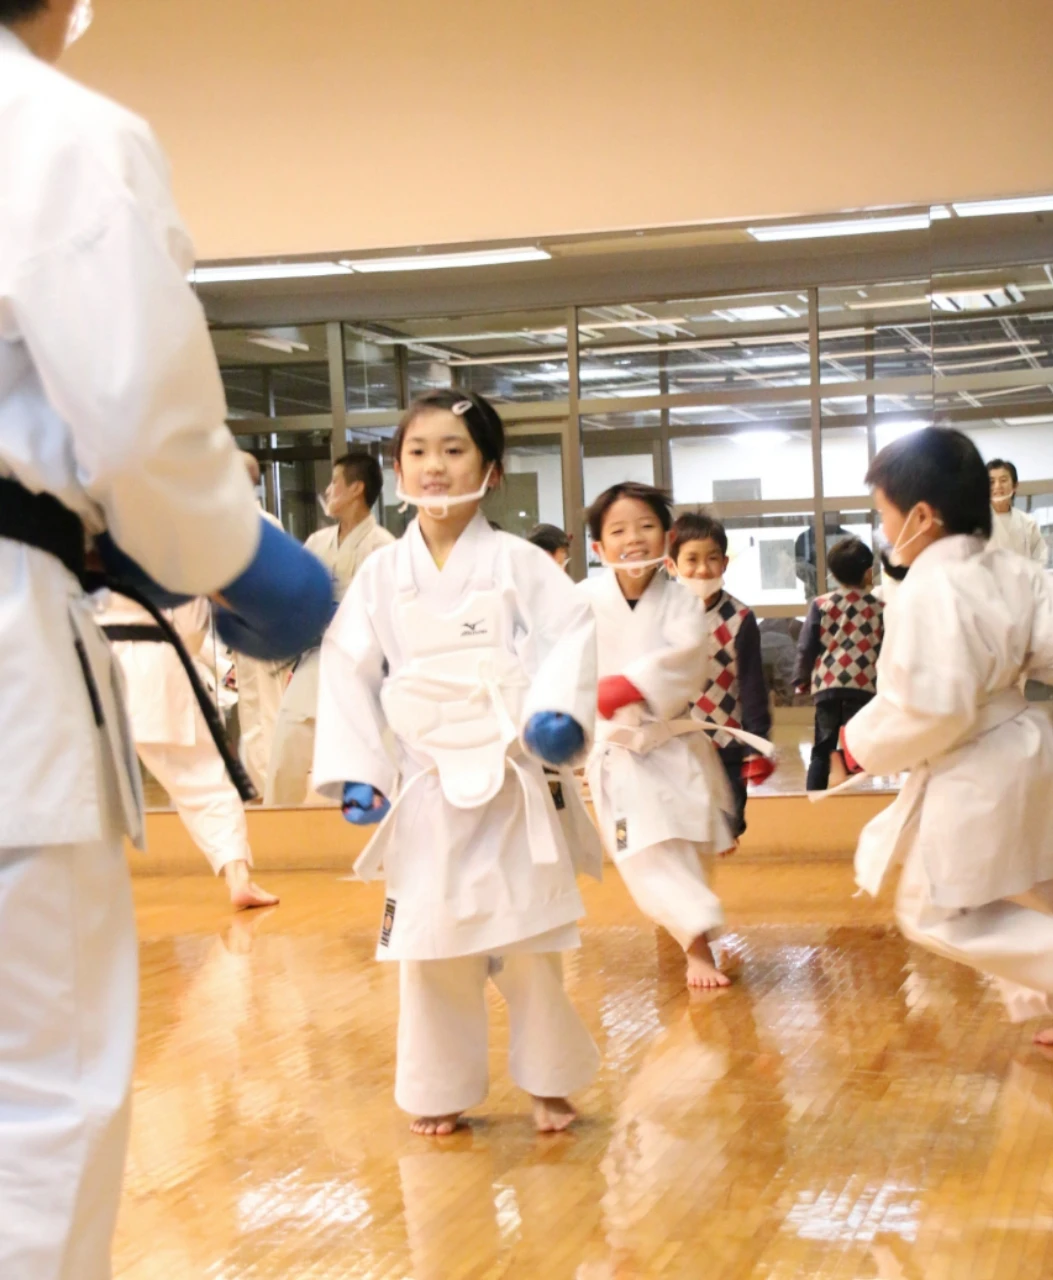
(473, 628)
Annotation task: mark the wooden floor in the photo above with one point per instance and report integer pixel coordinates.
(851, 1108)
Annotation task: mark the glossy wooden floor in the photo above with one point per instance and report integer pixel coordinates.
(850, 1108)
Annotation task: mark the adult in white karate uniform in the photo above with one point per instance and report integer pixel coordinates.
(974, 821)
(111, 417)
(475, 652)
(261, 686)
(343, 548)
(660, 792)
(173, 741)
(1011, 528)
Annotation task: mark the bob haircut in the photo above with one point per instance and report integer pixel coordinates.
(942, 467)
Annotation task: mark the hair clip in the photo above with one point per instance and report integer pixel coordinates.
(461, 408)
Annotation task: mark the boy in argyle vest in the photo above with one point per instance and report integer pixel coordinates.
(735, 695)
(837, 655)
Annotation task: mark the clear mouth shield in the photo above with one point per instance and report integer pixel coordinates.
(439, 507)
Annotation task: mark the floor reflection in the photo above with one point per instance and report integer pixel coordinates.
(850, 1108)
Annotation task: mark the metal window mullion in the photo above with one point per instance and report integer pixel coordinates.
(817, 442)
(334, 333)
(573, 469)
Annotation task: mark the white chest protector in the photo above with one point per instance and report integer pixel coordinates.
(457, 702)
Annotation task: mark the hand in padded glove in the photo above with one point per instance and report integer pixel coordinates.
(613, 692)
(280, 605)
(364, 805)
(553, 736)
(757, 769)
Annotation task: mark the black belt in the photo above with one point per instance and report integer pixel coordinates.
(39, 520)
(135, 632)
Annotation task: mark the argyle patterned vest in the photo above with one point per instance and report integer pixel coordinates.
(721, 700)
(850, 628)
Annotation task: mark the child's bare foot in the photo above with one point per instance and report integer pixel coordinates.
(553, 1115)
(702, 968)
(436, 1126)
(244, 894)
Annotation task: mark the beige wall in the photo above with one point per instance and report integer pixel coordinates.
(299, 126)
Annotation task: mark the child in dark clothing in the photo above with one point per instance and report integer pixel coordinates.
(837, 655)
(735, 696)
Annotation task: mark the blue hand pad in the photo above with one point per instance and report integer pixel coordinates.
(358, 804)
(120, 567)
(280, 605)
(553, 736)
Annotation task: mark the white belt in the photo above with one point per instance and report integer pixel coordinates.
(1002, 708)
(646, 737)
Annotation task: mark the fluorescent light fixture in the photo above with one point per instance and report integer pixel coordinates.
(757, 313)
(266, 271)
(288, 346)
(991, 208)
(882, 304)
(978, 299)
(939, 211)
(839, 227)
(443, 261)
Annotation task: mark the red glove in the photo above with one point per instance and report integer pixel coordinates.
(851, 763)
(613, 692)
(757, 769)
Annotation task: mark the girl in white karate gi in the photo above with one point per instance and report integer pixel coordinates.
(476, 653)
(974, 821)
(660, 793)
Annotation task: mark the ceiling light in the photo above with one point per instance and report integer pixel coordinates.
(989, 208)
(939, 211)
(757, 313)
(286, 345)
(442, 261)
(266, 271)
(978, 299)
(880, 304)
(840, 227)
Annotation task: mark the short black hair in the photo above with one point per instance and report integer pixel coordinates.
(15, 10)
(646, 493)
(942, 467)
(1003, 464)
(549, 537)
(696, 526)
(478, 414)
(850, 560)
(364, 467)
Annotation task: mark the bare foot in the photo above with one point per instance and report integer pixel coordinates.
(702, 968)
(244, 894)
(436, 1126)
(553, 1115)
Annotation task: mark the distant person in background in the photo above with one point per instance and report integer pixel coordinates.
(343, 548)
(260, 685)
(806, 553)
(837, 655)
(1013, 529)
(551, 539)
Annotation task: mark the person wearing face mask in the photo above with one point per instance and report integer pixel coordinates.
(343, 547)
(661, 797)
(735, 696)
(837, 655)
(464, 650)
(974, 820)
(1012, 528)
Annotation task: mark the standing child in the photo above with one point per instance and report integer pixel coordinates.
(479, 658)
(974, 821)
(657, 785)
(837, 655)
(735, 695)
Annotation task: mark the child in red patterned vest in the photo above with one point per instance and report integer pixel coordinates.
(735, 695)
(837, 656)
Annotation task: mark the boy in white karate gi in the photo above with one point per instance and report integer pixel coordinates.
(659, 790)
(974, 821)
(477, 655)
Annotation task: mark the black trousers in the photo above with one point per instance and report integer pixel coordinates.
(831, 715)
(731, 758)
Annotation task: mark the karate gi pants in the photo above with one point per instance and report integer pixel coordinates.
(291, 760)
(442, 1064)
(69, 974)
(1007, 940)
(668, 883)
(260, 691)
(203, 796)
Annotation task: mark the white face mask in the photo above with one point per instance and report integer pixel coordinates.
(79, 21)
(895, 556)
(703, 587)
(439, 507)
